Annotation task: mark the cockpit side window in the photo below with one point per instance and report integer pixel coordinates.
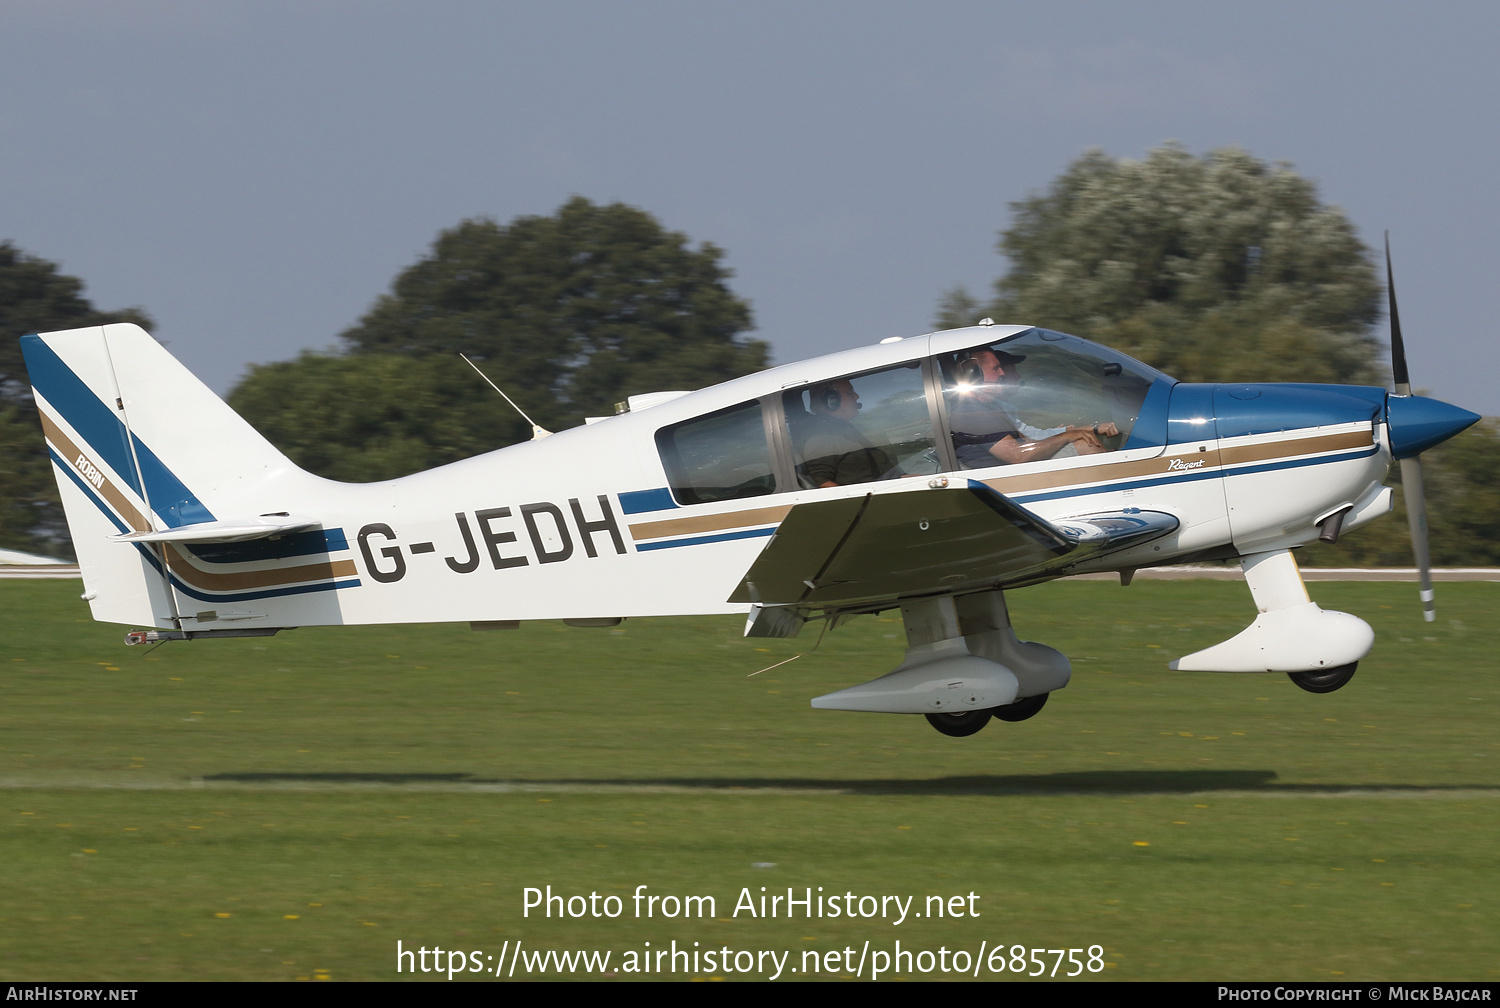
(861, 428)
(1040, 395)
(719, 457)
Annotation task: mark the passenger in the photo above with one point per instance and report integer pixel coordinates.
(984, 430)
(834, 451)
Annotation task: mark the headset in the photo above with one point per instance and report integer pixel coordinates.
(829, 399)
(969, 371)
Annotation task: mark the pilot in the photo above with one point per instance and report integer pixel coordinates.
(984, 430)
(834, 451)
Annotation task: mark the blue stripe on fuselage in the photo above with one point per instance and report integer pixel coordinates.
(1084, 491)
(642, 501)
(699, 540)
(1193, 477)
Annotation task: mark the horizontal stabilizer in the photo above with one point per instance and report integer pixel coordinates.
(227, 531)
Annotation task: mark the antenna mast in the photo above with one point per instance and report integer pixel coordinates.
(537, 431)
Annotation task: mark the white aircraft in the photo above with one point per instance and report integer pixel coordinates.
(929, 474)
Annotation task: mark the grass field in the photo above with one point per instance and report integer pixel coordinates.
(291, 807)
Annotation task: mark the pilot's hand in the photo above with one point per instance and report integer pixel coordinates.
(1098, 430)
(1085, 439)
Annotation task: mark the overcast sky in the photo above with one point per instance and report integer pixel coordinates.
(254, 174)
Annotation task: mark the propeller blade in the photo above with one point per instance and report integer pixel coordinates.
(1411, 468)
(1416, 517)
(1398, 348)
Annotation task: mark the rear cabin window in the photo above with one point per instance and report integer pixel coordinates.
(719, 457)
(861, 428)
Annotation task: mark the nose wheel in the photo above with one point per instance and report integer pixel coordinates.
(1324, 680)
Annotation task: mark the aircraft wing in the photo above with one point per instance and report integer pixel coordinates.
(834, 553)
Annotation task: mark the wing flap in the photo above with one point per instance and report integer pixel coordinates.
(834, 553)
(904, 543)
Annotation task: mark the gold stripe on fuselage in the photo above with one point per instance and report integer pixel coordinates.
(698, 524)
(1099, 472)
(1161, 465)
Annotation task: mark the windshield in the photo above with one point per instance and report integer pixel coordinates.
(1026, 398)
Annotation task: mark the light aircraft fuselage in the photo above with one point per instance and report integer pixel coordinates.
(881, 477)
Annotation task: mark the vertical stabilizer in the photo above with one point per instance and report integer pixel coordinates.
(141, 445)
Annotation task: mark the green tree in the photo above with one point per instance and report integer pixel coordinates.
(374, 416)
(569, 313)
(1219, 268)
(1225, 268)
(34, 297)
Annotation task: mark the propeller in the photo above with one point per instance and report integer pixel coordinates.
(1411, 468)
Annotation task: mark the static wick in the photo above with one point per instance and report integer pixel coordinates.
(777, 665)
(795, 656)
(537, 430)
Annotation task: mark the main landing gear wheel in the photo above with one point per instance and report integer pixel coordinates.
(960, 724)
(1324, 680)
(1021, 709)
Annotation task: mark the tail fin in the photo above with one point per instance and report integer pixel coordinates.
(143, 448)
